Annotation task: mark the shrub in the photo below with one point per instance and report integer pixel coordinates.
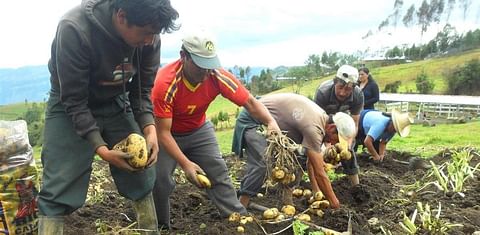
(424, 84)
(465, 80)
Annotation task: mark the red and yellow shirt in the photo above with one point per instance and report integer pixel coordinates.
(174, 97)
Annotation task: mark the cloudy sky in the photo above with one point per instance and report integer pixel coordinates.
(248, 32)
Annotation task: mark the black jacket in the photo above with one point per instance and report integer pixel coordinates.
(371, 94)
(91, 65)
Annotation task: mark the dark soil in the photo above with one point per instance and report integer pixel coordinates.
(381, 197)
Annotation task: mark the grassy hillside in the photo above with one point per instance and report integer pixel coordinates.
(12, 111)
(424, 140)
(435, 68)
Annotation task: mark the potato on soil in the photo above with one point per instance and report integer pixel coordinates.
(323, 204)
(297, 192)
(234, 217)
(271, 213)
(307, 193)
(288, 210)
(317, 196)
(304, 217)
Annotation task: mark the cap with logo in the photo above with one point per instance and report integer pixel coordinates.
(347, 73)
(202, 49)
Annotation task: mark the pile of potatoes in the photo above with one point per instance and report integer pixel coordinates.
(334, 154)
(317, 202)
(240, 220)
(282, 175)
(286, 211)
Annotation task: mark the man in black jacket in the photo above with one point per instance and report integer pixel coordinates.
(103, 62)
(341, 94)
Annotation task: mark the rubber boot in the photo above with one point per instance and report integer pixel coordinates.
(146, 215)
(50, 225)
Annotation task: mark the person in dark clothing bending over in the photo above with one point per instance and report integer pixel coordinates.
(103, 63)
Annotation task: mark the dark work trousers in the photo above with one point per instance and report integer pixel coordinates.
(67, 159)
(256, 172)
(201, 147)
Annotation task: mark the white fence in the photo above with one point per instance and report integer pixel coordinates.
(425, 106)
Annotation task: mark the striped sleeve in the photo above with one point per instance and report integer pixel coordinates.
(230, 87)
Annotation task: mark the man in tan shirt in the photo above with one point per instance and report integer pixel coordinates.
(306, 124)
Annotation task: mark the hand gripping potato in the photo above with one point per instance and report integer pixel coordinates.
(136, 146)
(330, 154)
(204, 181)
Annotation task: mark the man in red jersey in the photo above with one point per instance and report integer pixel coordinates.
(181, 95)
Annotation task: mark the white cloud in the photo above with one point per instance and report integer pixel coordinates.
(249, 32)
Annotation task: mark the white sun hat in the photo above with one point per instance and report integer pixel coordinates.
(401, 122)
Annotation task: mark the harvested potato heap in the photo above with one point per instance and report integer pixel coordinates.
(317, 201)
(136, 146)
(282, 163)
(335, 154)
(240, 220)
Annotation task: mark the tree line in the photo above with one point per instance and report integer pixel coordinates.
(446, 41)
(428, 13)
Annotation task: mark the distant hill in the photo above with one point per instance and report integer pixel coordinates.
(29, 83)
(32, 83)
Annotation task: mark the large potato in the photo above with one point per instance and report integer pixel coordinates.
(271, 213)
(136, 146)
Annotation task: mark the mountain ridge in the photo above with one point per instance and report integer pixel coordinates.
(32, 83)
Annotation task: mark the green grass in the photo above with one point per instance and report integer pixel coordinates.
(423, 141)
(428, 141)
(224, 138)
(12, 111)
(435, 68)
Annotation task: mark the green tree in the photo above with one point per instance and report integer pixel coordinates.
(445, 37)
(394, 52)
(465, 80)
(392, 87)
(450, 7)
(264, 83)
(33, 113)
(214, 121)
(423, 16)
(324, 58)
(424, 84)
(313, 64)
(35, 133)
(409, 18)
